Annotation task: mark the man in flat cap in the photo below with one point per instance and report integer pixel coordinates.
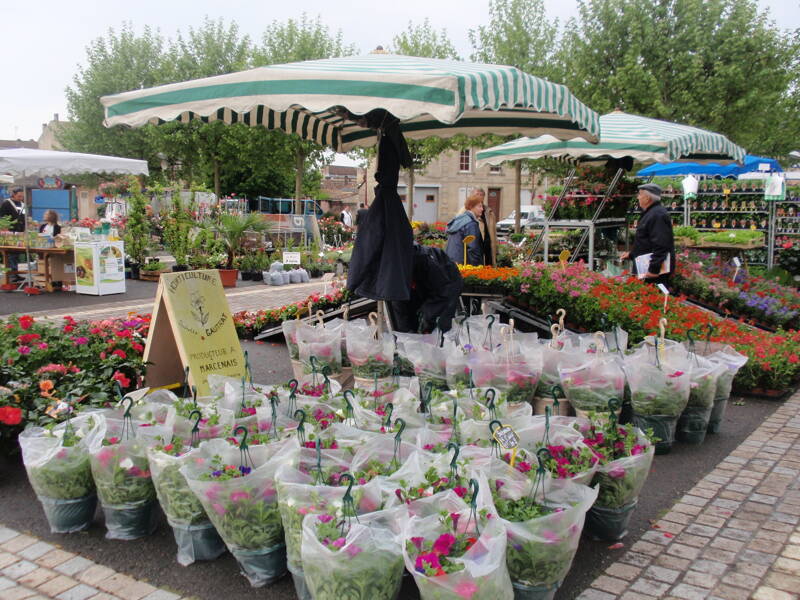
(653, 236)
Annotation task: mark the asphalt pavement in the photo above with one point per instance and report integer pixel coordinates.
(153, 559)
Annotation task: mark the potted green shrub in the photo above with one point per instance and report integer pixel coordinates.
(231, 230)
(137, 230)
(152, 270)
(177, 229)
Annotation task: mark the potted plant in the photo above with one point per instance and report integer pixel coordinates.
(152, 271)
(231, 230)
(137, 230)
(177, 228)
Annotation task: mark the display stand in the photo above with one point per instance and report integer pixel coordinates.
(100, 268)
(591, 229)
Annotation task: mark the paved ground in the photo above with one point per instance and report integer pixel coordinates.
(249, 296)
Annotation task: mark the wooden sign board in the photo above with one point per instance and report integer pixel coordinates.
(506, 437)
(291, 258)
(192, 326)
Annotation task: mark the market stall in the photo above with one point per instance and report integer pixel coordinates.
(26, 162)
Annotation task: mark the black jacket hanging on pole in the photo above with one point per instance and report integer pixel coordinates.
(381, 264)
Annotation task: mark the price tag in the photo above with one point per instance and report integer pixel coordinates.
(738, 264)
(508, 439)
(291, 258)
(563, 258)
(664, 291)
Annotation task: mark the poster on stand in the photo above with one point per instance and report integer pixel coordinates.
(100, 268)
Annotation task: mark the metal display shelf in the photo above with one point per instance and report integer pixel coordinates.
(592, 226)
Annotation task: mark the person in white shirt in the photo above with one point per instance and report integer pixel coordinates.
(347, 218)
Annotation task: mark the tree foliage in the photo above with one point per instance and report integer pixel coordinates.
(719, 64)
(518, 34)
(424, 40)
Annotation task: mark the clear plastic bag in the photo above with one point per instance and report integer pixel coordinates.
(366, 562)
(622, 480)
(369, 355)
(572, 459)
(121, 473)
(324, 346)
(483, 572)
(299, 494)
(457, 368)
(196, 542)
(540, 550)
(289, 327)
(243, 509)
(430, 362)
(214, 421)
(658, 388)
(733, 361)
(590, 386)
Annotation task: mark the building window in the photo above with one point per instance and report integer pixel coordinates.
(465, 160)
(430, 198)
(495, 170)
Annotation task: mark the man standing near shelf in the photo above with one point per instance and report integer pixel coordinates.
(653, 237)
(14, 208)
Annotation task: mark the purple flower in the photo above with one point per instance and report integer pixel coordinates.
(245, 470)
(325, 518)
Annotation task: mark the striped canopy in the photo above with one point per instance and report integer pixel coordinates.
(431, 97)
(623, 135)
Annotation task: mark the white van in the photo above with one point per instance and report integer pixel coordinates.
(530, 215)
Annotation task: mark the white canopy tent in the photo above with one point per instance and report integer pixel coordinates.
(28, 162)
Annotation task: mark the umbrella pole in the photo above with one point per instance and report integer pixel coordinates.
(28, 281)
(517, 193)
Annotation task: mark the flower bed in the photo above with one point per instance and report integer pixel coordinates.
(710, 281)
(42, 363)
(591, 300)
(249, 324)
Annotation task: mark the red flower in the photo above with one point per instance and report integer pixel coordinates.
(68, 328)
(25, 322)
(120, 353)
(119, 377)
(10, 415)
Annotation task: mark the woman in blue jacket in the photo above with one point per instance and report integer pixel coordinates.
(460, 227)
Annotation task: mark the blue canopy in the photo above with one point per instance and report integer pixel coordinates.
(751, 164)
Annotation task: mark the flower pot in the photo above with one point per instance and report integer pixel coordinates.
(247, 276)
(197, 542)
(261, 566)
(228, 277)
(663, 427)
(345, 377)
(717, 413)
(179, 268)
(533, 592)
(135, 269)
(257, 276)
(300, 587)
(69, 516)
(131, 521)
(693, 424)
(609, 524)
(540, 404)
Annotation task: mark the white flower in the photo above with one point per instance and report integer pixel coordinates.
(126, 463)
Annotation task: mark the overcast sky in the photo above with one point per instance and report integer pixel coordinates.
(44, 41)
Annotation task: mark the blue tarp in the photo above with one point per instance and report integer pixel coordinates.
(751, 163)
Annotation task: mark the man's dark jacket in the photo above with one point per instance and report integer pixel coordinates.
(654, 234)
(9, 209)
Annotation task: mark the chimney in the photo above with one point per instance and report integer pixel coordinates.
(55, 117)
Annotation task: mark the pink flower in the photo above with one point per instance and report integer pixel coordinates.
(443, 543)
(353, 550)
(466, 588)
(417, 541)
(219, 509)
(550, 536)
(460, 490)
(43, 346)
(24, 350)
(617, 473)
(213, 492)
(79, 341)
(240, 495)
(429, 559)
(325, 518)
(104, 457)
(338, 543)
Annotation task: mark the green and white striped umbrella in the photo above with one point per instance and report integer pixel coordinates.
(431, 97)
(643, 139)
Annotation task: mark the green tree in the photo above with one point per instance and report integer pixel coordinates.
(518, 34)
(423, 40)
(118, 62)
(294, 41)
(719, 64)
